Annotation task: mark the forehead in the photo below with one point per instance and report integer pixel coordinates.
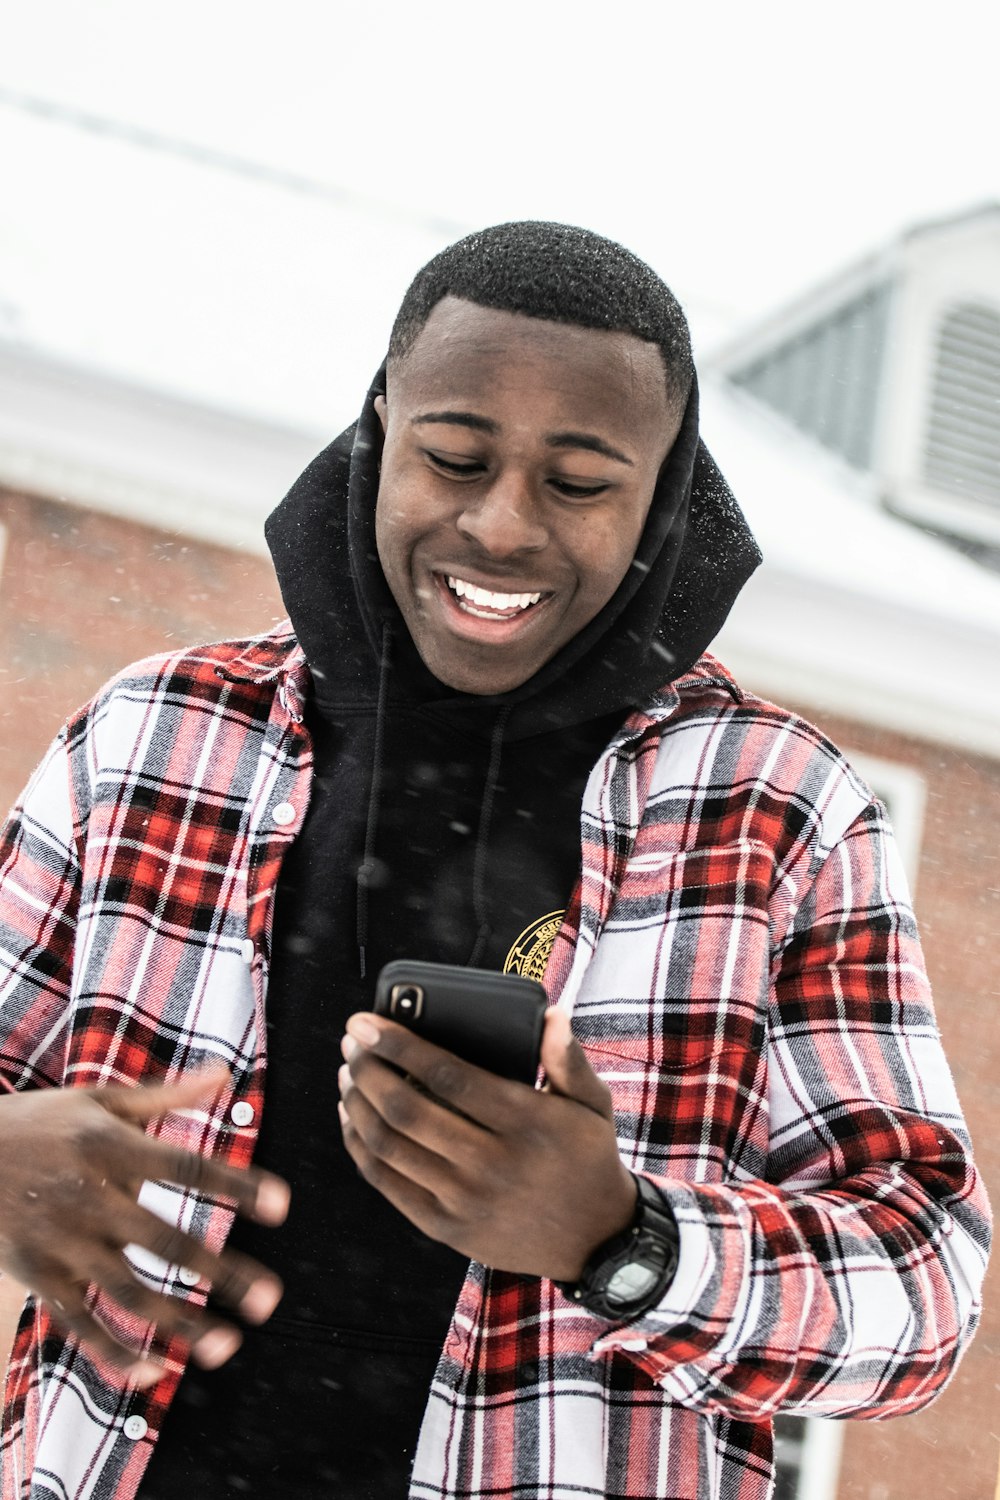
(485, 359)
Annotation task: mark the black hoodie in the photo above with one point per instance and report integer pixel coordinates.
(442, 825)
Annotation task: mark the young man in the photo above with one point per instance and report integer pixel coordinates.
(746, 1186)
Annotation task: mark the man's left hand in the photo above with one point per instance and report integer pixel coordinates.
(526, 1180)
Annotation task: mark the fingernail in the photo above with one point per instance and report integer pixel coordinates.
(215, 1347)
(364, 1031)
(348, 1047)
(342, 1112)
(271, 1204)
(145, 1374)
(260, 1301)
(560, 1020)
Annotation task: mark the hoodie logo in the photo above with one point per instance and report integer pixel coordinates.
(531, 950)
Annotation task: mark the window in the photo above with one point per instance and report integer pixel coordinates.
(962, 444)
(808, 1458)
(904, 792)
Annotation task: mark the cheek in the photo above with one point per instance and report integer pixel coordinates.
(384, 535)
(395, 511)
(407, 507)
(601, 566)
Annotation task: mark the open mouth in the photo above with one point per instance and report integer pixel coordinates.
(489, 604)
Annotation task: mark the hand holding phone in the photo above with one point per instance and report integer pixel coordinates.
(501, 1182)
(490, 1019)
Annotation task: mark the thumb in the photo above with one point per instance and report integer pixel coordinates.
(150, 1101)
(567, 1070)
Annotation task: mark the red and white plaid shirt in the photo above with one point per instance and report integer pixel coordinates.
(742, 966)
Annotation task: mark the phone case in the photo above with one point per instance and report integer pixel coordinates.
(490, 1019)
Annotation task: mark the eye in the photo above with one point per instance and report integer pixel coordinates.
(573, 491)
(452, 466)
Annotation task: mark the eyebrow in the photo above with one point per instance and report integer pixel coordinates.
(585, 440)
(589, 442)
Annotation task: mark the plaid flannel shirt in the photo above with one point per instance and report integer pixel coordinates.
(742, 966)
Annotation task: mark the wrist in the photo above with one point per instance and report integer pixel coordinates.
(628, 1274)
(617, 1213)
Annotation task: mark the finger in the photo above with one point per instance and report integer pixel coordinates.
(212, 1340)
(257, 1194)
(566, 1067)
(419, 1205)
(237, 1280)
(66, 1303)
(408, 1107)
(150, 1101)
(493, 1102)
(406, 1153)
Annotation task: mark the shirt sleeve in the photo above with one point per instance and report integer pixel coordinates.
(848, 1281)
(40, 880)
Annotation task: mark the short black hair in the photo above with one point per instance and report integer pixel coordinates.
(557, 272)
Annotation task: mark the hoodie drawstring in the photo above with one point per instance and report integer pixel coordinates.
(483, 837)
(366, 869)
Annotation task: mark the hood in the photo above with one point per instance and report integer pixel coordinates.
(695, 553)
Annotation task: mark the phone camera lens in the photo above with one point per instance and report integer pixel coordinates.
(407, 1001)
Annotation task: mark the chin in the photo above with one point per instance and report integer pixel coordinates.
(484, 682)
(479, 685)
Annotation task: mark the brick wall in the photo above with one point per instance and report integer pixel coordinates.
(82, 594)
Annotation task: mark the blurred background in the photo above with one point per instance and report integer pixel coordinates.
(209, 213)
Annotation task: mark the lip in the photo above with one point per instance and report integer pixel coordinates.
(475, 627)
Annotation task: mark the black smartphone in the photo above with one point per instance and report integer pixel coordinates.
(490, 1019)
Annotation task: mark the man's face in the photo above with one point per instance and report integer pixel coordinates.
(519, 464)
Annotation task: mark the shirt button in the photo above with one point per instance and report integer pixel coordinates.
(246, 950)
(241, 1113)
(283, 814)
(136, 1428)
(188, 1277)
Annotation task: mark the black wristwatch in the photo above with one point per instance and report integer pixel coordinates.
(629, 1273)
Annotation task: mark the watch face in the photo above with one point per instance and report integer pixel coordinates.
(631, 1282)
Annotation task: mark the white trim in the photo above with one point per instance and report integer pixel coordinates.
(796, 640)
(819, 1470)
(972, 520)
(152, 458)
(807, 1455)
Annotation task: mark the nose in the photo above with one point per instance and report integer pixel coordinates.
(504, 519)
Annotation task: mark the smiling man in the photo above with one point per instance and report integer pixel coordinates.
(519, 466)
(490, 735)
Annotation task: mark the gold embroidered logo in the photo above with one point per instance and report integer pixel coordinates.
(530, 952)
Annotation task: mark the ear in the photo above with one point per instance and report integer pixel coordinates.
(382, 408)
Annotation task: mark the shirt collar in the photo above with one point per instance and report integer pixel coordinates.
(273, 656)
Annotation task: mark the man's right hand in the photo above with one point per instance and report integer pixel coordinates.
(73, 1163)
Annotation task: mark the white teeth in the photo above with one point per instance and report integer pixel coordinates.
(484, 599)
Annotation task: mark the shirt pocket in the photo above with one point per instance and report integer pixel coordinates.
(695, 1114)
